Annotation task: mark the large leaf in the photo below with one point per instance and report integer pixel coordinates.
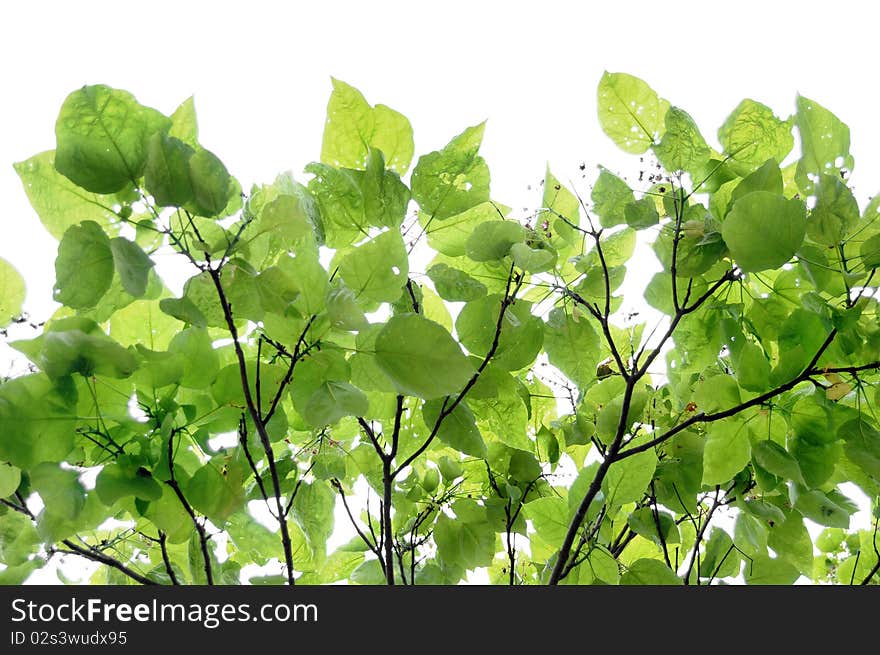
(377, 270)
(59, 202)
(84, 266)
(421, 358)
(763, 230)
(102, 138)
(824, 143)
(458, 429)
(630, 112)
(727, 451)
(354, 128)
(752, 134)
(449, 181)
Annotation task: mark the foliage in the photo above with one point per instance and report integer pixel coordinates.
(389, 347)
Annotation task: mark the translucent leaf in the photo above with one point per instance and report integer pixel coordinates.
(492, 240)
(313, 513)
(550, 517)
(775, 459)
(421, 357)
(84, 266)
(132, 264)
(752, 134)
(572, 346)
(376, 270)
(727, 451)
(630, 111)
(11, 293)
(10, 478)
(455, 285)
(468, 540)
(862, 446)
(116, 481)
(522, 333)
(102, 138)
(628, 479)
(354, 128)
(824, 143)
(764, 230)
(836, 212)
(333, 400)
(649, 572)
(458, 430)
(682, 147)
(449, 181)
(60, 203)
(59, 488)
(611, 196)
(184, 125)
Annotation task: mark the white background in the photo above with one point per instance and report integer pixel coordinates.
(260, 72)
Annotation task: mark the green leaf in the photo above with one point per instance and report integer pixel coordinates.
(764, 230)
(767, 177)
(10, 478)
(468, 540)
(166, 173)
(835, 214)
(643, 522)
(682, 147)
(333, 400)
(11, 293)
(641, 213)
(611, 196)
(84, 266)
(421, 357)
(721, 559)
(458, 429)
(132, 264)
(200, 361)
(763, 570)
(60, 203)
(727, 451)
(377, 270)
(184, 125)
(753, 369)
(116, 481)
(628, 479)
(170, 516)
(572, 346)
(832, 508)
(532, 260)
(649, 572)
(60, 489)
(522, 333)
(774, 458)
(492, 240)
(869, 251)
(354, 128)
(550, 518)
(791, 542)
(824, 143)
(630, 112)
(213, 188)
(752, 134)
(862, 446)
(449, 181)
(368, 573)
(65, 352)
(216, 490)
(102, 138)
(313, 513)
(455, 285)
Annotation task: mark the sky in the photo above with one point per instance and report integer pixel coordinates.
(261, 73)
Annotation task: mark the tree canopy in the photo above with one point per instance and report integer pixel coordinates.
(382, 343)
